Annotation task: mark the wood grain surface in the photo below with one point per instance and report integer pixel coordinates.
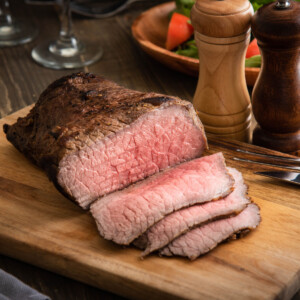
(39, 226)
(150, 31)
(222, 34)
(276, 95)
(21, 82)
(227, 113)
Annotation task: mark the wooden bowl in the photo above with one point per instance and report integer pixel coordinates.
(150, 31)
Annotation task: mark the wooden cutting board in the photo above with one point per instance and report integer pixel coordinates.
(39, 226)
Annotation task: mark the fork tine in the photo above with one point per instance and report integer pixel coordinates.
(266, 163)
(236, 147)
(278, 157)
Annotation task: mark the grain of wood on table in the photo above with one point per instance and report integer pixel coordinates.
(40, 222)
(41, 241)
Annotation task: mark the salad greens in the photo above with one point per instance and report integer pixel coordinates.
(253, 61)
(259, 3)
(189, 48)
(184, 7)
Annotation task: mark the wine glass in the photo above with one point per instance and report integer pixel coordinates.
(67, 52)
(14, 31)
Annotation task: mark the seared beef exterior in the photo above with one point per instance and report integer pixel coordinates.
(93, 136)
(124, 215)
(204, 238)
(179, 222)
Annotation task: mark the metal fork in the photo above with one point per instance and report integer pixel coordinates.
(278, 157)
(293, 160)
(296, 168)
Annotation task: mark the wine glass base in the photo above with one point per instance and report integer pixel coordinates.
(88, 54)
(17, 33)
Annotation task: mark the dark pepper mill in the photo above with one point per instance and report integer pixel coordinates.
(276, 94)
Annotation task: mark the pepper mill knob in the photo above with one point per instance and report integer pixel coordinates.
(282, 4)
(222, 33)
(276, 93)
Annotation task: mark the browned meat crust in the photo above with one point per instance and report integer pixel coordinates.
(73, 112)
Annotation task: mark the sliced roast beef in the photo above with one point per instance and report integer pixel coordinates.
(204, 238)
(124, 215)
(93, 136)
(177, 223)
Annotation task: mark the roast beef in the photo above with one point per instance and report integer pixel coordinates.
(93, 136)
(204, 238)
(124, 215)
(177, 223)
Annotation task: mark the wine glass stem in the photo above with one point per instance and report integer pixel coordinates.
(67, 44)
(66, 31)
(5, 15)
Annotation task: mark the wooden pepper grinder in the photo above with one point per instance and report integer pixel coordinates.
(276, 94)
(222, 35)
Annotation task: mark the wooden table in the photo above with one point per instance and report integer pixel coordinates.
(21, 82)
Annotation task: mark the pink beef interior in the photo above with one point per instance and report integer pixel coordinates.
(161, 138)
(204, 238)
(123, 216)
(175, 224)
